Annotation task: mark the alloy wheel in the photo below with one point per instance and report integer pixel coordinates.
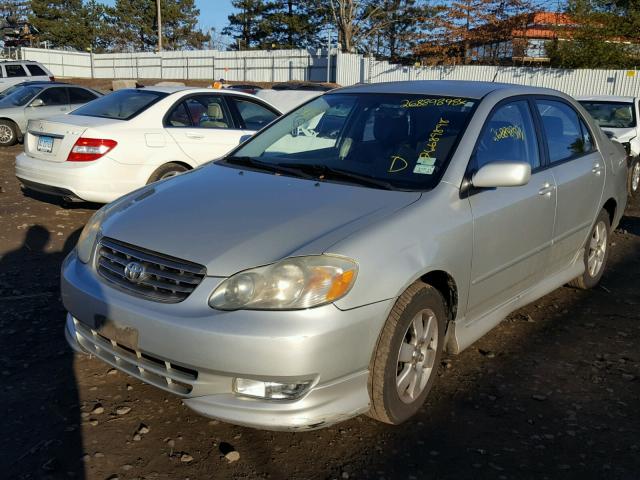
(6, 134)
(597, 249)
(635, 177)
(417, 355)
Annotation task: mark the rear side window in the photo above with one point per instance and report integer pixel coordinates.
(253, 115)
(508, 136)
(54, 96)
(80, 95)
(36, 71)
(15, 71)
(120, 105)
(567, 135)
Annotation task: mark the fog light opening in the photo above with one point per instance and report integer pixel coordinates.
(270, 390)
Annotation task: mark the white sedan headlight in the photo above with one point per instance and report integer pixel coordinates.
(89, 235)
(291, 284)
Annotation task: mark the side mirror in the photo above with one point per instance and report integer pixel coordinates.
(502, 174)
(37, 103)
(244, 138)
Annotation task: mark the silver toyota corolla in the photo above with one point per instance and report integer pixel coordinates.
(320, 270)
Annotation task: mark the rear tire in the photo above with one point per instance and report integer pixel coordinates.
(596, 253)
(8, 133)
(405, 361)
(166, 171)
(633, 184)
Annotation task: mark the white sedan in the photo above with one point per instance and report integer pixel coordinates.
(132, 137)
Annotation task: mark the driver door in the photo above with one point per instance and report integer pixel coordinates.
(55, 101)
(512, 226)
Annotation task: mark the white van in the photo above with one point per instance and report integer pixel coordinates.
(18, 71)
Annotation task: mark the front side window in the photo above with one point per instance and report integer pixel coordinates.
(53, 97)
(508, 136)
(253, 115)
(120, 105)
(611, 114)
(15, 71)
(397, 141)
(21, 96)
(564, 130)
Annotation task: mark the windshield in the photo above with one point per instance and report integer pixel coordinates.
(21, 96)
(611, 114)
(402, 141)
(120, 105)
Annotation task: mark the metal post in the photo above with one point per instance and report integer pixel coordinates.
(328, 56)
(91, 63)
(159, 26)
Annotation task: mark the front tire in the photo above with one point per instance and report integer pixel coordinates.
(596, 253)
(405, 361)
(633, 184)
(166, 171)
(8, 133)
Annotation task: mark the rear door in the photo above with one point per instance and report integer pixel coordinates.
(37, 72)
(252, 115)
(579, 171)
(512, 226)
(203, 126)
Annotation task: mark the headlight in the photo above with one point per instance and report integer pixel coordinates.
(291, 284)
(87, 239)
(89, 235)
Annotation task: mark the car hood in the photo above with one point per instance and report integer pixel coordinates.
(230, 220)
(621, 134)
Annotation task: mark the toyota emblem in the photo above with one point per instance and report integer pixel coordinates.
(134, 271)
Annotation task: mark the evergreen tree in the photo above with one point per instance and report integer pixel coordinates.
(291, 24)
(248, 26)
(60, 22)
(135, 25)
(400, 25)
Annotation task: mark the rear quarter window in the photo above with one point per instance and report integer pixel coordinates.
(120, 105)
(36, 71)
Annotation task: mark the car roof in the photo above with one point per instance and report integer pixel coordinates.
(447, 88)
(606, 98)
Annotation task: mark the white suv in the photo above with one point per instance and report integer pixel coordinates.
(618, 117)
(18, 71)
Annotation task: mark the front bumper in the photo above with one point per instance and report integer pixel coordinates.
(195, 352)
(100, 181)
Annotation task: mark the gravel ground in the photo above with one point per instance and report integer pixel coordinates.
(553, 392)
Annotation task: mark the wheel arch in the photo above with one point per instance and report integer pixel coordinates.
(611, 208)
(445, 284)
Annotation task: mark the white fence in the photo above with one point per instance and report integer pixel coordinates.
(346, 69)
(353, 68)
(253, 65)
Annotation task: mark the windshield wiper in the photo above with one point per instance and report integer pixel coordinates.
(269, 167)
(336, 173)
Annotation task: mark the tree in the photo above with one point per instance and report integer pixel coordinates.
(136, 27)
(605, 34)
(291, 24)
(401, 24)
(60, 22)
(247, 26)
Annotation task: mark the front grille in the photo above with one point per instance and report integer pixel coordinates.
(148, 368)
(163, 279)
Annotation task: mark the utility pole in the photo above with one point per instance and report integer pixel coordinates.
(159, 26)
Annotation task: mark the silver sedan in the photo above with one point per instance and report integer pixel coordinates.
(320, 270)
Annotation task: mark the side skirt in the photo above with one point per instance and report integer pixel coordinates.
(463, 332)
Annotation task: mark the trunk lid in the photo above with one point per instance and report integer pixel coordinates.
(52, 139)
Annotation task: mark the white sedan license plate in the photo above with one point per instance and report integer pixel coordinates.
(45, 144)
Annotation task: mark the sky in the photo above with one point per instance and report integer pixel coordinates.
(213, 13)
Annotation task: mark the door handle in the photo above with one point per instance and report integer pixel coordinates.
(597, 168)
(195, 136)
(546, 189)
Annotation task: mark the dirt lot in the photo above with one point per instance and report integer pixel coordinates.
(554, 392)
